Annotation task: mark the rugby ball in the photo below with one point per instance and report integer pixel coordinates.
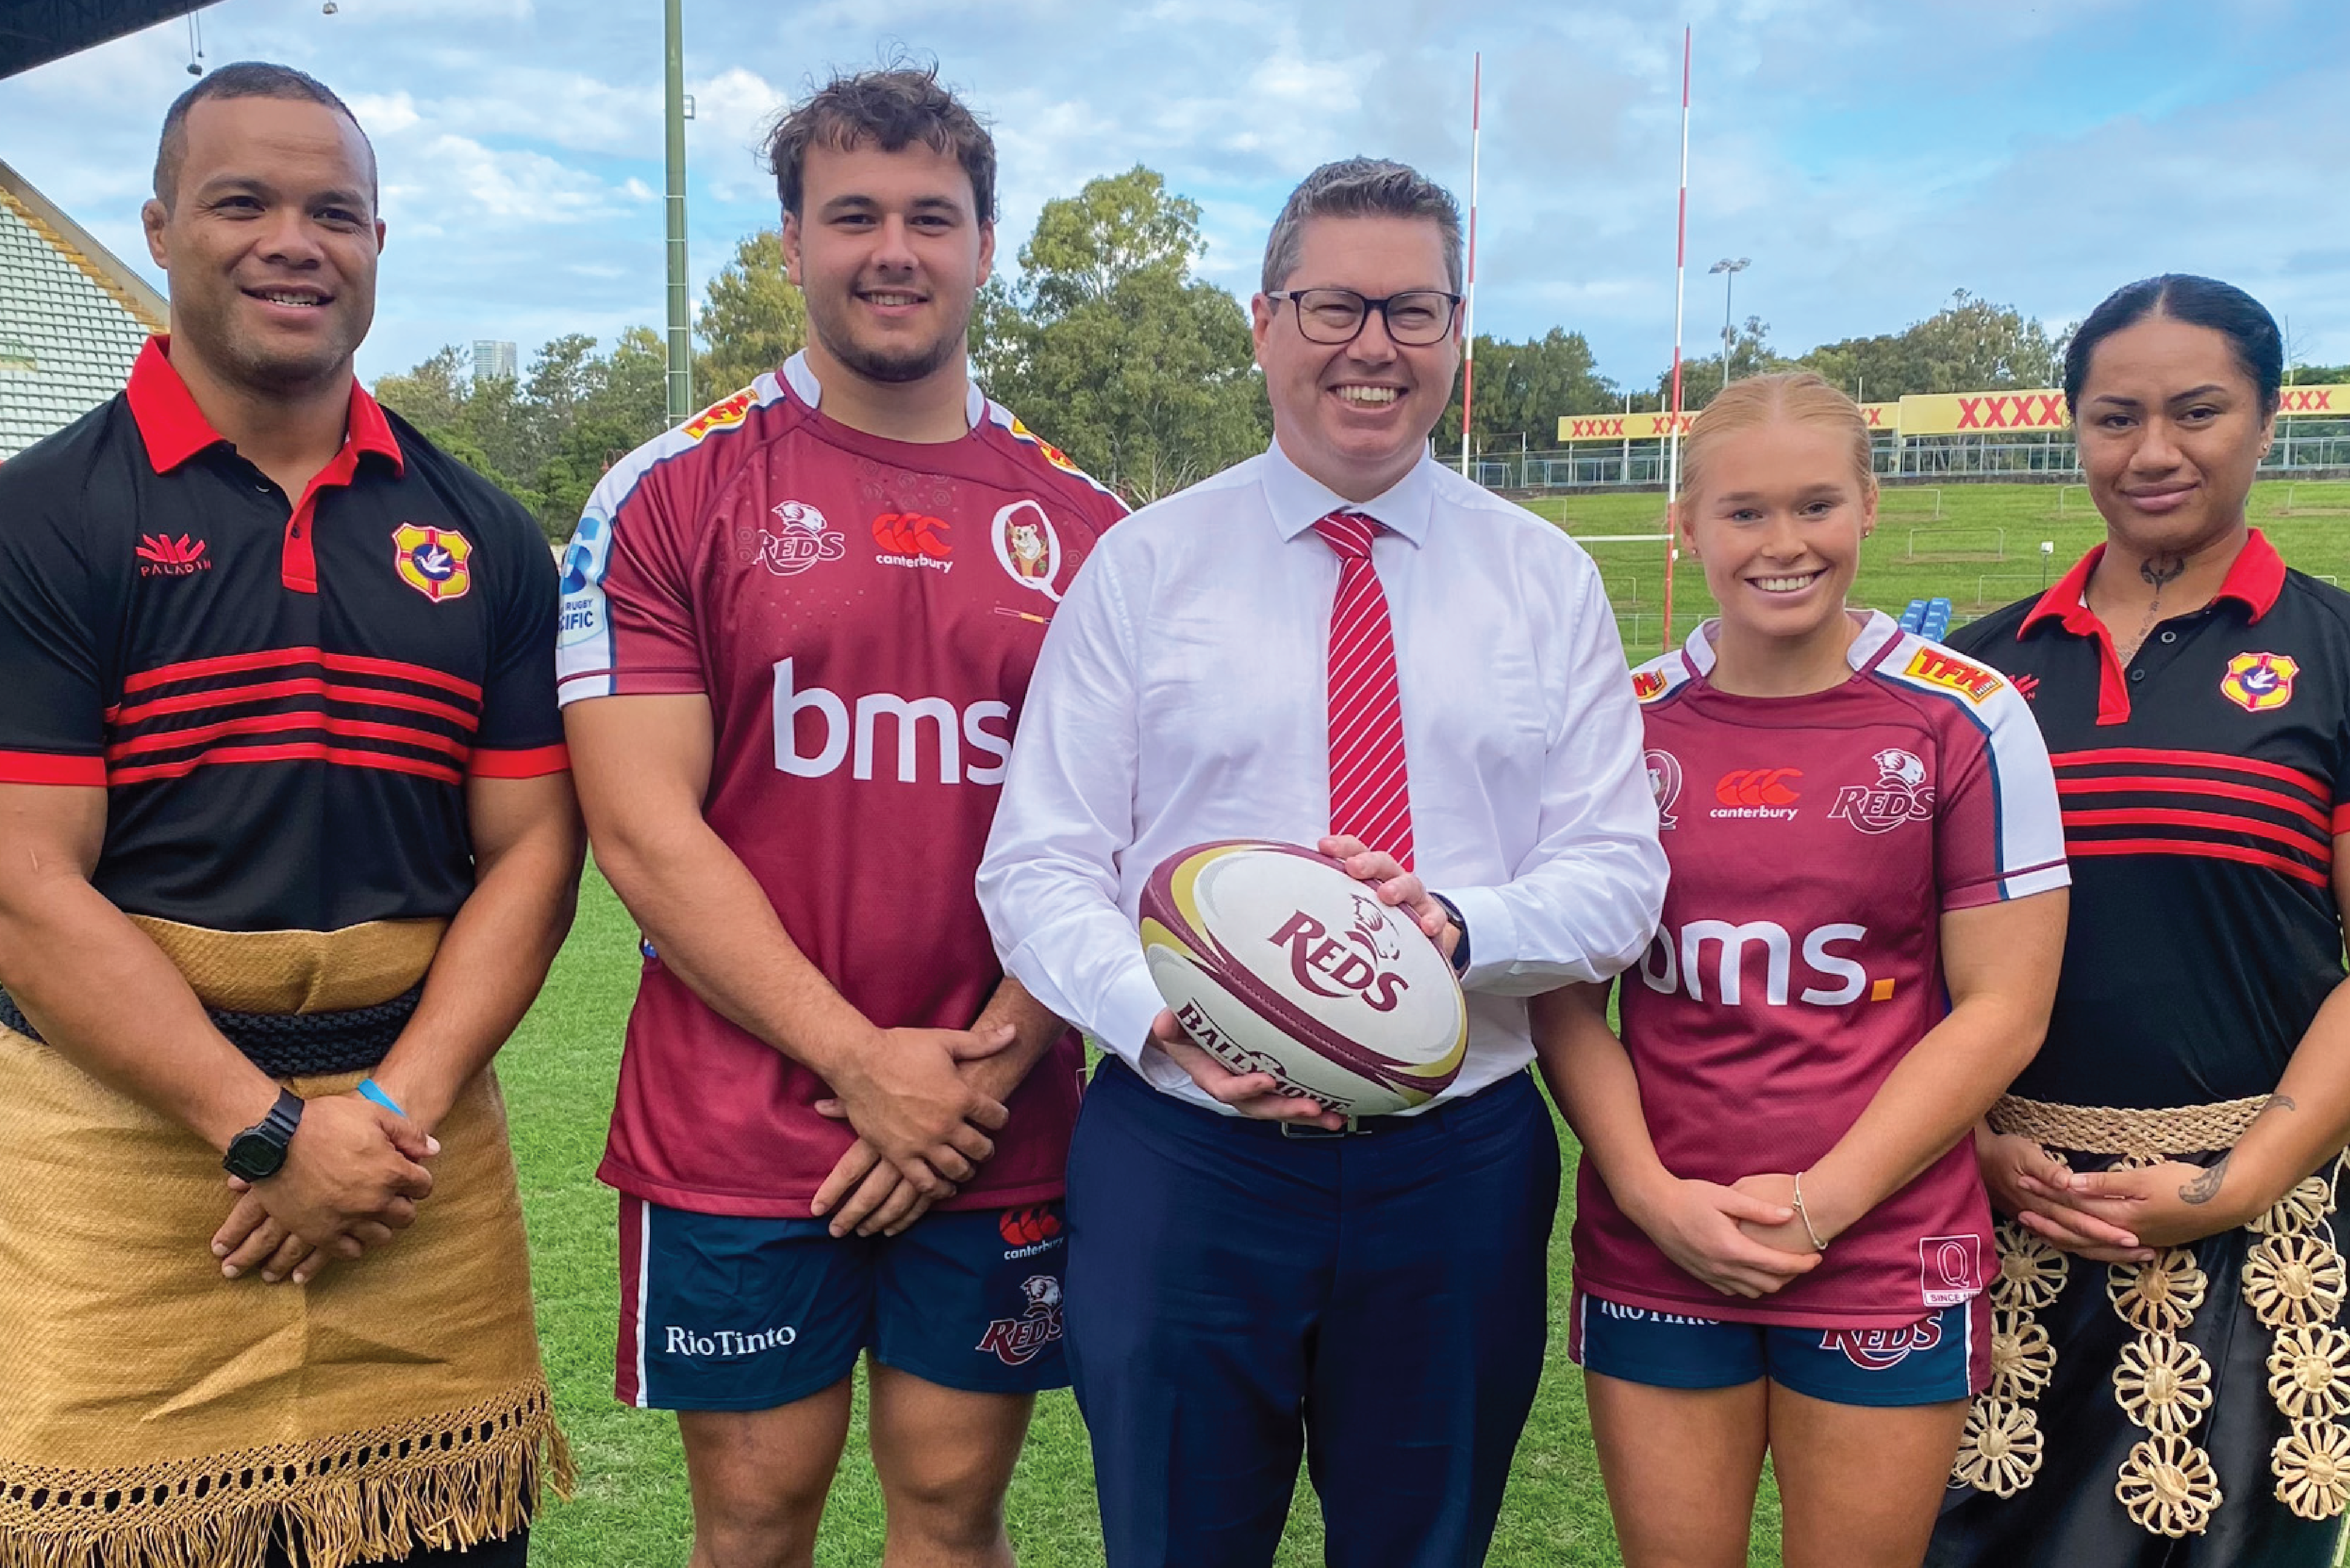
(1274, 959)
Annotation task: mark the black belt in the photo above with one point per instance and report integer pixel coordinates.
(294, 1044)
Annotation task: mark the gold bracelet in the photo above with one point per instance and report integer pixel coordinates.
(1800, 1213)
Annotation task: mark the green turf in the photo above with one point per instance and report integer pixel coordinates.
(632, 1510)
(1976, 544)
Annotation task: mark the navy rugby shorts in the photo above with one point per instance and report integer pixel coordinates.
(723, 1313)
(1946, 1354)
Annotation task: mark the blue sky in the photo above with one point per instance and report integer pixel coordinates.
(1869, 157)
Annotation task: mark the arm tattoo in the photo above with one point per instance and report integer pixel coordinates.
(2206, 1187)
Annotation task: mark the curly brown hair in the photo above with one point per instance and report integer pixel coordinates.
(890, 109)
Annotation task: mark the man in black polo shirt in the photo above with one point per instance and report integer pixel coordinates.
(289, 841)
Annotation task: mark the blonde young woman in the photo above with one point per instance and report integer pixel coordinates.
(1781, 1242)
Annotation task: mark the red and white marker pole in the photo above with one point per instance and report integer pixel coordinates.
(1680, 292)
(1468, 309)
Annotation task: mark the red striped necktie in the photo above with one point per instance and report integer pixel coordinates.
(1371, 789)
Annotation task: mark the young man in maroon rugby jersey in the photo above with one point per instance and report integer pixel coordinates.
(1781, 1241)
(796, 633)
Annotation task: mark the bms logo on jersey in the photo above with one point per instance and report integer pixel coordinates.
(1709, 961)
(852, 733)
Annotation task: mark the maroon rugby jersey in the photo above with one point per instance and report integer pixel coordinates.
(864, 615)
(1816, 842)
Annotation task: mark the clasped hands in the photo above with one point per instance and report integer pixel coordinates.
(922, 1104)
(1742, 1240)
(2118, 1216)
(353, 1176)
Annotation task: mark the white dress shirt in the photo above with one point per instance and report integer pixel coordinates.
(1180, 697)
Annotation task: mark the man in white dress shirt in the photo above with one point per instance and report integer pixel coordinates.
(1342, 643)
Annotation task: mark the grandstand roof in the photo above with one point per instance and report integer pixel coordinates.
(72, 317)
(34, 32)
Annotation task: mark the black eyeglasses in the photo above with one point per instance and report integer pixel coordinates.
(1331, 317)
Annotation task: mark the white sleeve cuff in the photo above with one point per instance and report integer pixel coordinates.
(1492, 932)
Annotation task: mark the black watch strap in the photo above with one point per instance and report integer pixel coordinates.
(1461, 949)
(258, 1152)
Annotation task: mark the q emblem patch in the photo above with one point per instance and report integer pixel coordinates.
(2259, 682)
(433, 561)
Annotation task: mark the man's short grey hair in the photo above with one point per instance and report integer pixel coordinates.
(1362, 188)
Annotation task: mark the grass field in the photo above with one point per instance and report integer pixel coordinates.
(632, 1510)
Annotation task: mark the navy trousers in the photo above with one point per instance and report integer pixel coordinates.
(1378, 1302)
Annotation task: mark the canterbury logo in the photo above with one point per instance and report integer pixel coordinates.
(911, 534)
(169, 557)
(1757, 786)
(1026, 1227)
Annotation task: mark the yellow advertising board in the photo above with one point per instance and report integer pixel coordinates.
(1976, 414)
(2028, 410)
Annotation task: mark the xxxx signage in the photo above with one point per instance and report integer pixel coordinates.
(1975, 413)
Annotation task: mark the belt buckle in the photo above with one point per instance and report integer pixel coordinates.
(1308, 1130)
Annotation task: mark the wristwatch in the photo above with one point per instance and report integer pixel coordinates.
(1461, 949)
(258, 1152)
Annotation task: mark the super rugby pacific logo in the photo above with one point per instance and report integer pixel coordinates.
(1352, 962)
(1016, 1341)
(1899, 795)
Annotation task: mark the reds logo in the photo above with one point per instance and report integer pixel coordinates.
(1017, 1340)
(1349, 964)
(1664, 783)
(1879, 1349)
(2260, 682)
(1899, 795)
(806, 539)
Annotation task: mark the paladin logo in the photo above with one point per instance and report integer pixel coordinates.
(162, 556)
(1016, 1341)
(806, 539)
(1899, 795)
(1028, 1232)
(1354, 962)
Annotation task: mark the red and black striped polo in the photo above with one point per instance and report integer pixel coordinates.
(284, 697)
(2205, 786)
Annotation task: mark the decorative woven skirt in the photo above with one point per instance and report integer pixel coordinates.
(2192, 1411)
(154, 1415)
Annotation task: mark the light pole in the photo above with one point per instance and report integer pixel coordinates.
(1730, 271)
(680, 304)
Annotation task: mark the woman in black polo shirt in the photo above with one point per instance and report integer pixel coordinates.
(2172, 1369)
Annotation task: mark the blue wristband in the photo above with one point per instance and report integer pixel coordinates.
(369, 1089)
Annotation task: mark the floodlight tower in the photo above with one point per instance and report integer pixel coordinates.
(681, 322)
(1730, 271)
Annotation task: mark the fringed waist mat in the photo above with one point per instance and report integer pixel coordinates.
(158, 1415)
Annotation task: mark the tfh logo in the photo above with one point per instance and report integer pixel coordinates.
(1015, 1341)
(160, 555)
(1348, 964)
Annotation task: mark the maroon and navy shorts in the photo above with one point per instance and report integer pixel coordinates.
(722, 1312)
(1944, 1355)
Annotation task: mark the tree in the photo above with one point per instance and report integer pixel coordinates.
(1118, 226)
(753, 319)
(1969, 345)
(1144, 374)
(1522, 388)
(1749, 355)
